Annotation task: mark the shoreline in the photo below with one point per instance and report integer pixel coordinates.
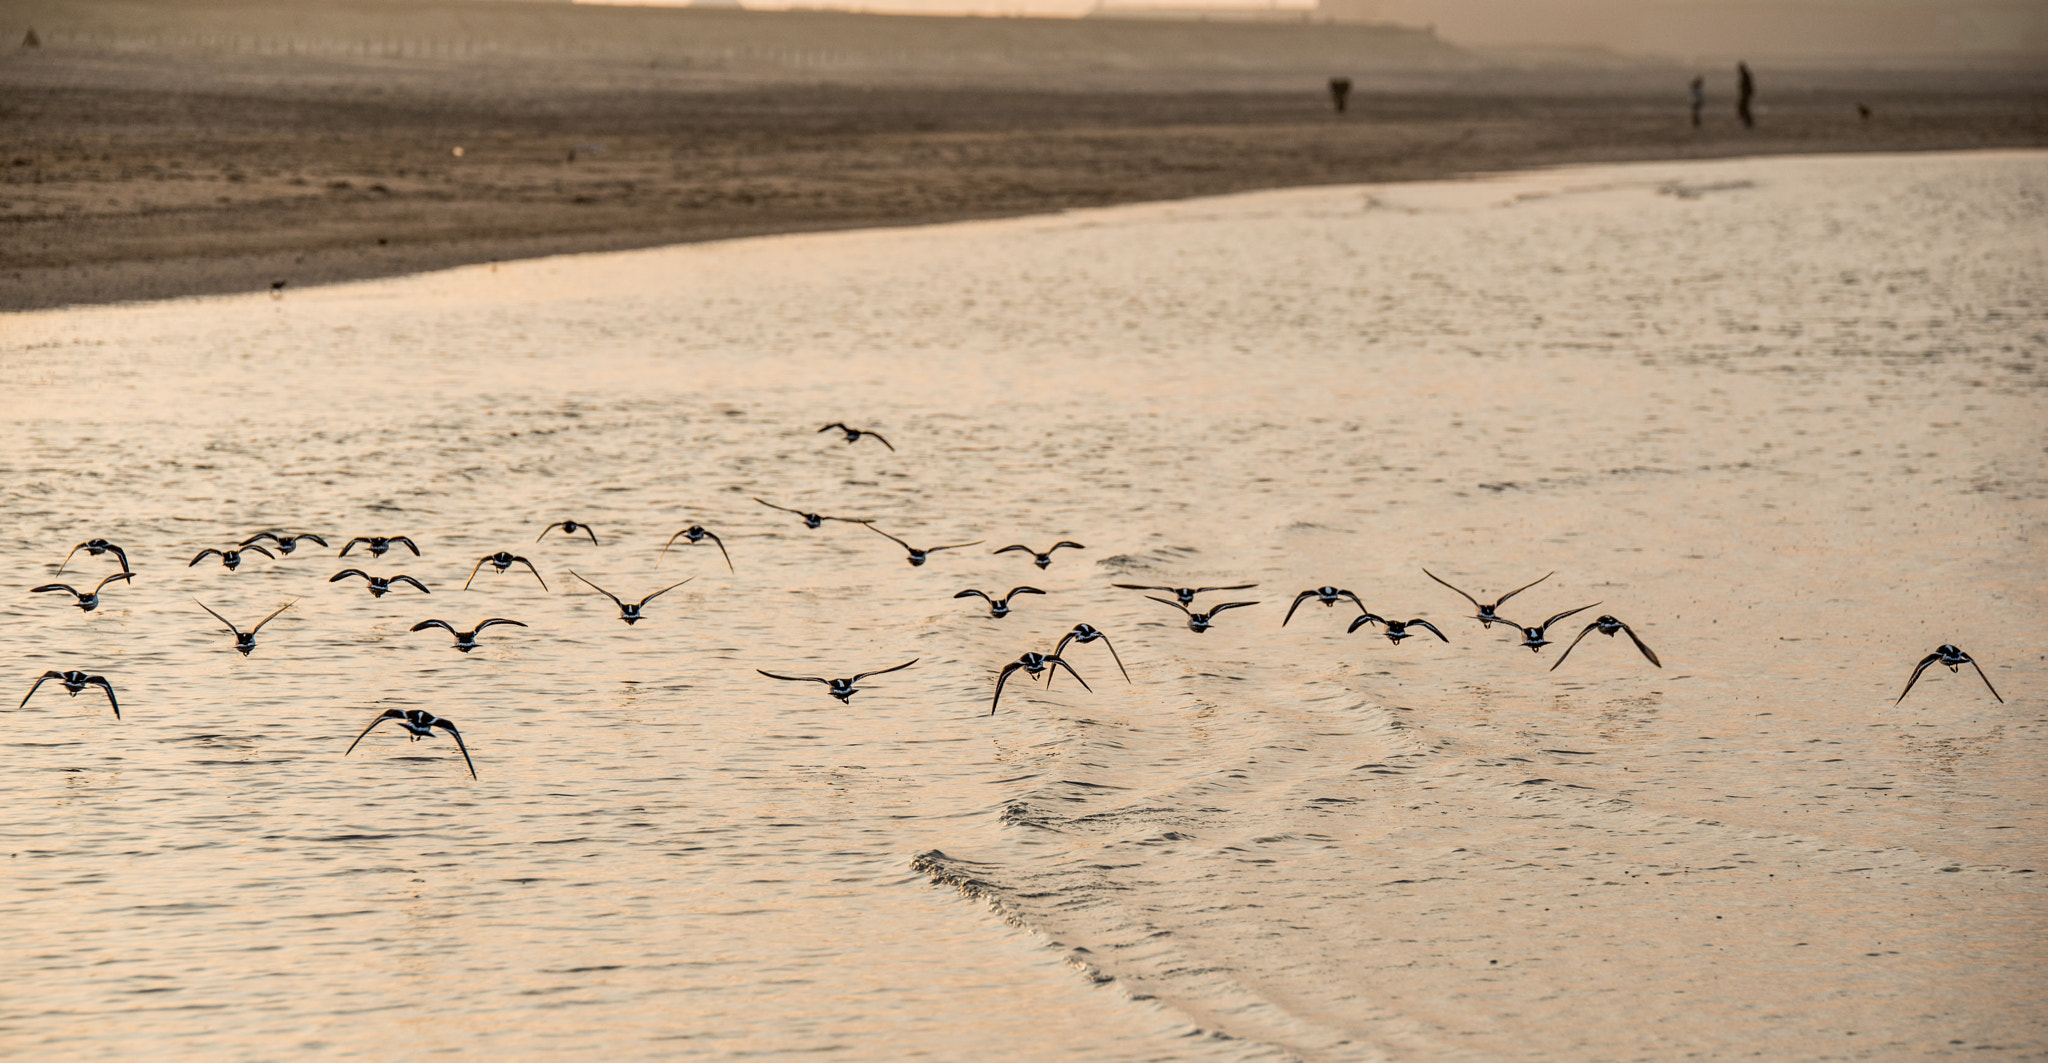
(161, 176)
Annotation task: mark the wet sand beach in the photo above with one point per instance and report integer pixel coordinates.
(157, 149)
(1782, 416)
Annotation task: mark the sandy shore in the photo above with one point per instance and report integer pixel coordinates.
(158, 150)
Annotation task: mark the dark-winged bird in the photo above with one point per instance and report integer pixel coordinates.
(1607, 625)
(87, 600)
(245, 641)
(75, 682)
(1955, 658)
(843, 689)
(419, 723)
(1487, 615)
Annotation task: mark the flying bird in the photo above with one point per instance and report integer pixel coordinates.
(502, 560)
(75, 682)
(811, 520)
(1487, 617)
(843, 689)
(1607, 625)
(420, 724)
(853, 434)
(1396, 629)
(378, 544)
(1532, 637)
(1084, 635)
(378, 584)
(94, 548)
(1033, 663)
(569, 528)
(1041, 559)
(231, 558)
(87, 600)
(696, 533)
(1199, 622)
(1947, 654)
(631, 613)
(1185, 595)
(917, 556)
(285, 543)
(1328, 595)
(1000, 607)
(245, 641)
(464, 640)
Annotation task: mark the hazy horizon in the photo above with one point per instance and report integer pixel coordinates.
(1654, 28)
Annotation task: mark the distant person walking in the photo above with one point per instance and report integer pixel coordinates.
(1340, 90)
(1699, 98)
(1744, 92)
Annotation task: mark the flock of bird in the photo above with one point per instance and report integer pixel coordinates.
(419, 723)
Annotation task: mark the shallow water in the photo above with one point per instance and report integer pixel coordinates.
(1783, 416)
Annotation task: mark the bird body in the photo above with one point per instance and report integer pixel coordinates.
(245, 641)
(1200, 622)
(843, 689)
(1955, 658)
(502, 560)
(464, 640)
(917, 556)
(285, 543)
(87, 600)
(418, 723)
(378, 584)
(231, 557)
(1032, 664)
(697, 533)
(1396, 630)
(1609, 626)
(1328, 595)
(1487, 616)
(998, 607)
(73, 683)
(811, 520)
(1038, 558)
(1184, 595)
(378, 544)
(1533, 637)
(853, 434)
(1084, 635)
(630, 613)
(94, 548)
(569, 528)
